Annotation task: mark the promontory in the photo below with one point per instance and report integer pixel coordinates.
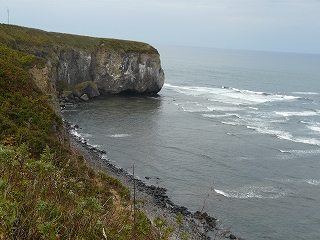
(95, 65)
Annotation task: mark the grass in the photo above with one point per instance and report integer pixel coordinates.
(25, 117)
(14, 36)
(42, 198)
(47, 191)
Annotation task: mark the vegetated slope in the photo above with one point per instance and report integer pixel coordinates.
(46, 190)
(12, 36)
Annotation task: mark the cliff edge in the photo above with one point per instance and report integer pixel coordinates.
(105, 65)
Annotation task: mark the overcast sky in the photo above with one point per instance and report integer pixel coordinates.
(270, 25)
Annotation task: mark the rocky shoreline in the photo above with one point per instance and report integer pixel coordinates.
(154, 201)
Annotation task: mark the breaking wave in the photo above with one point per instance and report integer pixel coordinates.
(121, 135)
(255, 192)
(228, 95)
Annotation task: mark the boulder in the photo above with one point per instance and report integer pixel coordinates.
(84, 97)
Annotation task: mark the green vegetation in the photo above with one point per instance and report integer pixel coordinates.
(46, 190)
(63, 86)
(41, 200)
(13, 35)
(25, 116)
(128, 46)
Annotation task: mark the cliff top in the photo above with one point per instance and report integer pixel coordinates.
(13, 35)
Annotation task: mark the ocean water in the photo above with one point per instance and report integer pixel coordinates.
(234, 132)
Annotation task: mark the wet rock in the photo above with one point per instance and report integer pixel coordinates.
(84, 97)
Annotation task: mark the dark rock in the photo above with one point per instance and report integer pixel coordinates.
(204, 215)
(232, 236)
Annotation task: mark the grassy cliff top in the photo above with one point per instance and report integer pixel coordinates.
(13, 36)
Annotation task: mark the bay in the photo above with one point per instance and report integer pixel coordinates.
(235, 132)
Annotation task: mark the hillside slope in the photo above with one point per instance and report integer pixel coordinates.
(47, 191)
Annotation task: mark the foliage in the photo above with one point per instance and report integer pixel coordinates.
(164, 230)
(40, 200)
(25, 115)
(46, 190)
(62, 86)
(128, 46)
(12, 35)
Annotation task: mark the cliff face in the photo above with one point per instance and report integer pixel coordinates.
(112, 70)
(118, 71)
(114, 66)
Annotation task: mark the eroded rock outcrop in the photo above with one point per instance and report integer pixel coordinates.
(114, 66)
(118, 71)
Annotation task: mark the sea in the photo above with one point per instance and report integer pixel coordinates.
(232, 133)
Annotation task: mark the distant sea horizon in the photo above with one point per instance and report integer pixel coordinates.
(239, 126)
(159, 46)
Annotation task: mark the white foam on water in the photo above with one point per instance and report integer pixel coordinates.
(284, 151)
(314, 128)
(288, 180)
(232, 96)
(254, 108)
(301, 152)
(284, 180)
(119, 135)
(306, 93)
(302, 113)
(78, 135)
(224, 108)
(312, 182)
(214, 115)
(305, 140)
(95, 145)
(284, 135)
(194, 107)
(230, 123)
(237, 101)
(264, 126)
(311, 141)
(266, 192)
(221, 115)
(221, 192)
(75, 133)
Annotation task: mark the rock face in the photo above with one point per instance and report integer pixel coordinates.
(118, 71)
(112, 69)
(79, 67)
